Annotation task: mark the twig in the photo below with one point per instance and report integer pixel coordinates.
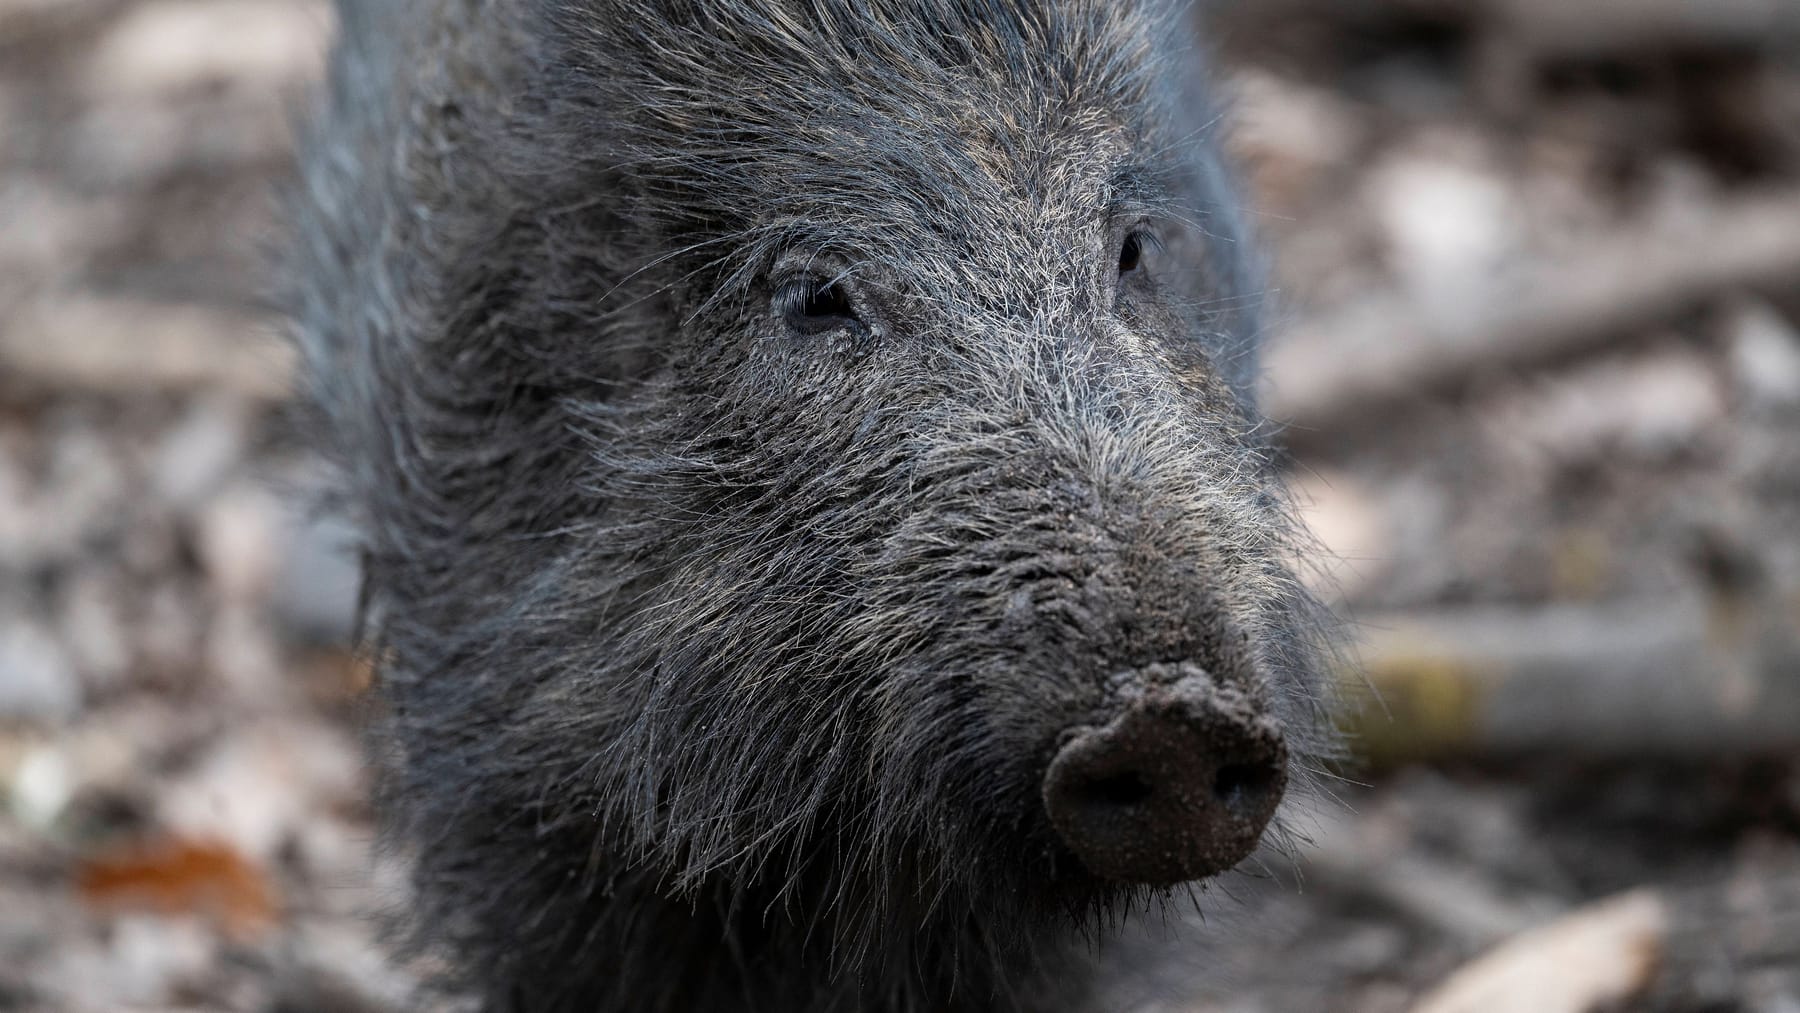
(1675, 677)
(1342, 370)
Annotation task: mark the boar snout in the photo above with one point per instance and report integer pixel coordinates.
(1177, 786)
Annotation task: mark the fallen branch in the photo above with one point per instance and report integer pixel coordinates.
(1557, 27)
(121, 346)
(1539, 27)
(1342, 370)
(1674, 677)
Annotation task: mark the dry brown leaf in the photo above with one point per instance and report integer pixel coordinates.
(175, 876)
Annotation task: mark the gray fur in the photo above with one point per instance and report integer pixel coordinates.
(720, 662)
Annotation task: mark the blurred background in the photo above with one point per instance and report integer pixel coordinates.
(1537, 343)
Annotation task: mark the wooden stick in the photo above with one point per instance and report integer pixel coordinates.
(1649, 948)
(111, 346)
(1668, 677)
(1545, 27)
(1557, 27)
(1604, 953)
(1342, 369)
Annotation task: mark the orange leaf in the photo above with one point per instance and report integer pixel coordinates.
(174, 876)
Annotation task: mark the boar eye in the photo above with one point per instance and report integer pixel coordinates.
(811, 306)
(1132, 253)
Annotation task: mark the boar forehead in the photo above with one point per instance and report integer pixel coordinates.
(908, 134)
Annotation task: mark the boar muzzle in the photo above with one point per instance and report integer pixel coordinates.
(1178, 785)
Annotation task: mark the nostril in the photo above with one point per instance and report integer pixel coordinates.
(1242, 788)
(1121, 790)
